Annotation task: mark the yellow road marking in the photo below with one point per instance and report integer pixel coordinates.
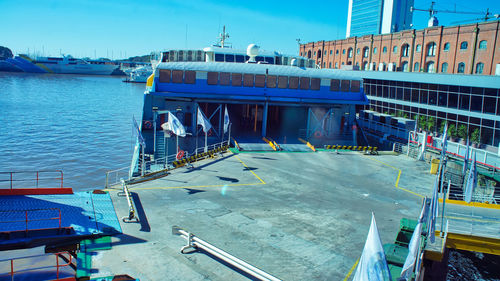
(399, 176)
(471, 204)
(263, 182)
(352, 269)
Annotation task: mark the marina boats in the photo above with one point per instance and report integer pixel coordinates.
(139, 74)
(63, 65)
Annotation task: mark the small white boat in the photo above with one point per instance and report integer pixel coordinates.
(139, 74)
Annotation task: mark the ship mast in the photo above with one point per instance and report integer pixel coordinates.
(223, 36)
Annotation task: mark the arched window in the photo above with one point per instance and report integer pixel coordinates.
(331, 52)
(483, 44)
(343, 51)
(464, 45)
(309, 54)
(365, 65)
(395, 49)
(461, 68)
(384, 50)
(349, 53)
(366, 50)
(404, 50)
(416, 67)
(479, 68)
(374, 50)
(329, 65)
(430, 67)
(336, 65)
(444, 67)
(418, 48)
(431, 49)
(336, 52)
(446, 47)
(404, 65)
(357, 63)
(319, 54)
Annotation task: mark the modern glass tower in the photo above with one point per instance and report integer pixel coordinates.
(378, 16)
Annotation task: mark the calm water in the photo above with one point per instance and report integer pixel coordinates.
(79, 124)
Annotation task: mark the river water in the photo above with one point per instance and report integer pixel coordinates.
(76, 123)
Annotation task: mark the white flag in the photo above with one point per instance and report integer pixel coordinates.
(413, 248)
(372, 264)
(226, 120)
(203, 121)
(444, 142)
(433, 214)
(174, 125)
(466, 158)
(137, 132)
(471, 180)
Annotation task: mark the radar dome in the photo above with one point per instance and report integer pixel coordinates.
(293, 62)
(252, 50)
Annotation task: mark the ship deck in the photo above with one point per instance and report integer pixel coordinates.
(297, 216)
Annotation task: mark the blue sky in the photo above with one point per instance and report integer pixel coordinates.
(124, 28)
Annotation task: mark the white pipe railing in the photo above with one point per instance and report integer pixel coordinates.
(131, 210)
(113, 177)
(195, 242)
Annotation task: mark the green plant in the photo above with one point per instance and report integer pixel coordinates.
(475, 137)
(431, 123)
(422, 122)
(462, 131)
(441, 128)
(452, 131)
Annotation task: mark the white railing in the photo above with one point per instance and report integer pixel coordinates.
(113, 177)
(400, 148)
(383, 128)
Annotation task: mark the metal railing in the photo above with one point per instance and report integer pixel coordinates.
(26, 220)
(383, 128)
(9, 180)
(57, 266)
(195, 242)
(113, 177)
(399, 148)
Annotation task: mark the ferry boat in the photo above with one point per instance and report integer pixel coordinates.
(64, 65)
(267, 95)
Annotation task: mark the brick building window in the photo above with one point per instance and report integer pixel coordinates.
(349, 53)
(464, 45)
(336, 65)
(444, 67)
(336, 52)
(479, 68)
(331, 52)
(446, 47)
(418, 48)
(357, 51)
(405, 50)
(395, 49)
(416, 67)
(374, 50)
(431, 49)
(343, 51)
(329, 65)
(482, 45)
(461, 68)
(365, 65)
(430, 67)
(384, 50)
(404, 66)
(366, 50)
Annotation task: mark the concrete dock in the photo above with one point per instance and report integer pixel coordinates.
(297, 216)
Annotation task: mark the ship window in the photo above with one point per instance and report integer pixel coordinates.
(225, 78)
(315, 83)
(260, 80)
(229, 58)
(294, 82)
(240, 58)
(355, 86)
(248, 80)
(344, 86)
(219, 57)
(190, 77)
(282, 82)
(177, 76)
(334, 85)
(304, 83)
(212, 78)
(164, 75)
(236, 79)
(259, 58)
(180, 56)
(269, 60)
(271, 81)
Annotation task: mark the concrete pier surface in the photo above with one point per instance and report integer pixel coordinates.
(297, 216)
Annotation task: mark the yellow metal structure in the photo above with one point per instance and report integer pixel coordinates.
(473, 243)
(434, 166)
(149, 82)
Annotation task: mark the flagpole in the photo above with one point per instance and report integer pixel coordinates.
(206, 145)
(229, 138)
(176, 145)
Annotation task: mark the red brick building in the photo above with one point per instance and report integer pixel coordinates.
(467, 49)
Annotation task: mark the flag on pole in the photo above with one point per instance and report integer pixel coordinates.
(433, 214)
(226, 120)
(137, 132)
(203, 121)
(372, 264)
(471, 180)
(174, 125)
(466, 158)
(413, 248)
(444, 141)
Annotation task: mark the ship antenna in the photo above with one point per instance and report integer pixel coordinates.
(223, 36)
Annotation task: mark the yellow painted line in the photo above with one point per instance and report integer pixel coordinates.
(398, 178)
(471, 204)
(352, 269)
(263, 182)
(269, 143)
(308, 144)
(44, 67)
(195, 186)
